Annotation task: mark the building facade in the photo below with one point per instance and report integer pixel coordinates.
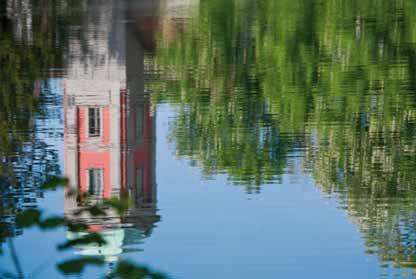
(109, 133)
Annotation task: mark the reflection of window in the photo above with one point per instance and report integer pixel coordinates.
(139, 122)
(95, 188)
(139, 184)
(94, 122)
(70, 100)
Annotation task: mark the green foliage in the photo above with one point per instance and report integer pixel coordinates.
(128, 270)
(26, 60)
(76, 227)
(51, 223)
(94, 211)
(77, 266)
(256, 83)
(28, 218)
(54, 182)
(34, 218)
(123, 270)
(121, 205)
(89, 238)
(252, 79)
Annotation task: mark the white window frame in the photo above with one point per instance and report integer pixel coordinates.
(101, 126)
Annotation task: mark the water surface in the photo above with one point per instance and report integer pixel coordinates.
(254, 138)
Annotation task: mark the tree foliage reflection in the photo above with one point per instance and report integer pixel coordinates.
(257, 82)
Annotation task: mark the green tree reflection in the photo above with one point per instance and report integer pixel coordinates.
(33, 43)
(256, 82)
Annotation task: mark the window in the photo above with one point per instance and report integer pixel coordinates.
(139, 185)
(95, 188)
(70, 100)
(94, 122)
(139, 122)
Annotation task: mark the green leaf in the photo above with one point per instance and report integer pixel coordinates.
(128, 270)
(76, 227)
(4, 232)
(120, 205)
(158, 275)
(28, 218)
(407, 264)
(54, 182)
(95, 210)
(87, 239)
(52, 223)
(76, 266)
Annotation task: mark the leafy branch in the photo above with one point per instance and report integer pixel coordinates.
(34, 217)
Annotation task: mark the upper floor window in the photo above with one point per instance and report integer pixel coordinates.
(94, 122)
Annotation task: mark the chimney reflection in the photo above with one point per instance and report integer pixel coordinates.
(110, 131)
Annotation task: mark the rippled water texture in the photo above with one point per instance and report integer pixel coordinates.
(255, 139)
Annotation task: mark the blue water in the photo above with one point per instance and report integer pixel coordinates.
(256, 139)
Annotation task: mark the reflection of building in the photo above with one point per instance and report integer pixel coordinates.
(109, 133)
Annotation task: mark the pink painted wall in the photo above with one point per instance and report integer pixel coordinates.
(99, 160)
(82, 122)
(89, 159)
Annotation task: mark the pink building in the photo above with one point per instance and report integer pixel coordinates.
(109, 126)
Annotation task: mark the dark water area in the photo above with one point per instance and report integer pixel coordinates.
(254, 139)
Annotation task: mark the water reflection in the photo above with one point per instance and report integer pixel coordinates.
(261, 89)
(30, 111)
(332, 84)
(109, 131)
